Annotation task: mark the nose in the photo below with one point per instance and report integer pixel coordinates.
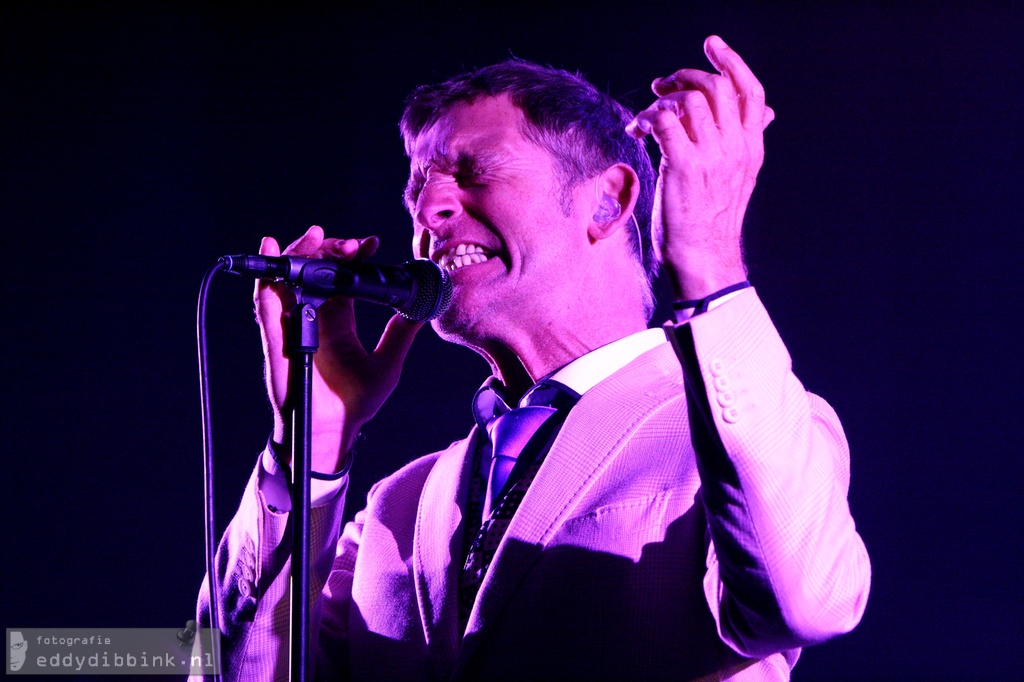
(438, 201)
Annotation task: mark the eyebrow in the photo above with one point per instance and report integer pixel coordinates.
(443, 159)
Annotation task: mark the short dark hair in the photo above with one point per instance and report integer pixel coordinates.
(581, 127)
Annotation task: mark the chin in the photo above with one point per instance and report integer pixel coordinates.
(455, 328)
(465, 324)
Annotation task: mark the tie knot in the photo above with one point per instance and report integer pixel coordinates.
(490, 400)
(550, 393)
(511, 431)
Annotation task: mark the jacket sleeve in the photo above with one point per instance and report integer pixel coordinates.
(253, 569)
(786, 567)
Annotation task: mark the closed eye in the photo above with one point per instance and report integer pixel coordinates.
(467, 170)
(470, 178)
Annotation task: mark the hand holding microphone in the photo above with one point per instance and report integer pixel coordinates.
(349, 383)
(419, 289)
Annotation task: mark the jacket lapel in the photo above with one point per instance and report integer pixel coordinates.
(590, 439)
(437, 550)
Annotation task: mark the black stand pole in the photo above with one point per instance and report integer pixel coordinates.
(303, 341)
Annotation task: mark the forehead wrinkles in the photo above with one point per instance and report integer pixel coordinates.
(475, 129)
(450, 152)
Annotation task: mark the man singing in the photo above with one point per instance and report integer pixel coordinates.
(632, 503)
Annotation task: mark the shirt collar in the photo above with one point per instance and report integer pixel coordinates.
(580, 375)
(587, 371)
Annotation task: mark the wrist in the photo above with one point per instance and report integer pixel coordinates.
(330, 446)
(686, 309)
(696, 276)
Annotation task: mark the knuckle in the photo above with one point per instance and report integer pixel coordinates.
(693, 99)
(667, 119)
(754, 93)
(723, 85)
(666, 104)
(644, 121)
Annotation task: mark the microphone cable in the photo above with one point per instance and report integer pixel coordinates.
(204, 402)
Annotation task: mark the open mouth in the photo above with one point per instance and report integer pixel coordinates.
(462, 255)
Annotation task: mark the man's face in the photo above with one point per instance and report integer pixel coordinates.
(19, 648)
(486, 206)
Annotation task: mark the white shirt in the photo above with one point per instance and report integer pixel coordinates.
(581, 375)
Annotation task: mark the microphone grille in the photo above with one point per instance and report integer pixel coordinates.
(433, 291)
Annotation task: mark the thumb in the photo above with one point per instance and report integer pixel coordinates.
(269, 305)
(265, 297)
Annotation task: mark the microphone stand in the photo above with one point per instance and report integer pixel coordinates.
(303, 341)
(419, 290)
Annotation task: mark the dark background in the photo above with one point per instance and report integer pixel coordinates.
(142, 141)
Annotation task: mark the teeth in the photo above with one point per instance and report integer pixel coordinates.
(462, 255)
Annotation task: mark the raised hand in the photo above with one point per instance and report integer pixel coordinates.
(349, 383)
(710, 131)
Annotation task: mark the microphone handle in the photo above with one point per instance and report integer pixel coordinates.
(419, 290)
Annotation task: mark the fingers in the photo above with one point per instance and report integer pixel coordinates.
(694, 112)
(269, 247)
(736, 97)
(268, 303)
(716, 90)
(364, 248)
(271, 298)
(396, 340)
(313, 244)
(307, 244)
(678, 122)
(266, 295)
(749, 90)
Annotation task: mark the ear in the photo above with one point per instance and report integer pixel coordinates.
(617, 190)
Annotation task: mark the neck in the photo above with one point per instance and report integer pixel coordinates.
(573, 321)
(521, 362)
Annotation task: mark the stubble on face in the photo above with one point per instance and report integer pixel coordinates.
(504, 198)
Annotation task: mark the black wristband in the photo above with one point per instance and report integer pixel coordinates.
(701, 305)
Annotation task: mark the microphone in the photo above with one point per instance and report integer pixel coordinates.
(419, 290)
